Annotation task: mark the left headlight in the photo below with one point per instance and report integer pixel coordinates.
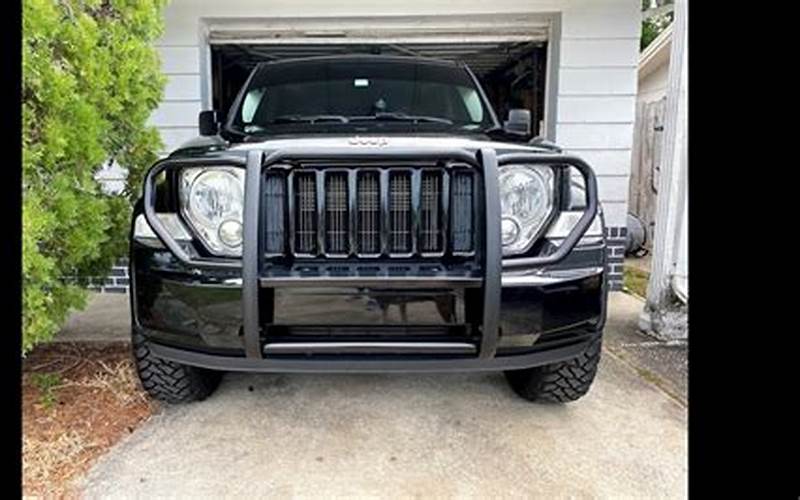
(526, 202)
(212, 201)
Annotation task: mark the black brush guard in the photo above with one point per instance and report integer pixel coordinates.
(485, 160)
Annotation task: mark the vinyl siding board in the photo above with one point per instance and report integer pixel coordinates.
(602, 20)
(597, 81)
(599, 52)
(596, 136)
(613, 188)
(598, 109)
(182, 88)
(176, 114)
(180, 59)
(605, 162)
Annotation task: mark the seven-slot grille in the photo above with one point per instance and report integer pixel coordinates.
(370, 212)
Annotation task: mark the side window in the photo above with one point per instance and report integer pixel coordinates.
(473, 103)
(251, 102)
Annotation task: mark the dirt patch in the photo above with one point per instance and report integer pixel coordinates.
(78, 400)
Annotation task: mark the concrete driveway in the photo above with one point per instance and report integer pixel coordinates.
(462, 435)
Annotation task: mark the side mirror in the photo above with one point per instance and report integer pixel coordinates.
(519, 122)
(207, 122)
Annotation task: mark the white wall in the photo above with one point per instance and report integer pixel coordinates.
(596, 80)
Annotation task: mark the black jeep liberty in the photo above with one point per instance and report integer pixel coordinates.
(367, 214)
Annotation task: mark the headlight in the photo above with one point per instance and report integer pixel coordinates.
(212, 201)
(526, 201)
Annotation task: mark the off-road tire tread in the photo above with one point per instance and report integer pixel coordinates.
(169, 381)
(560, 382)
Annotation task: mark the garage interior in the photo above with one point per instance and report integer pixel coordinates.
(512, 72)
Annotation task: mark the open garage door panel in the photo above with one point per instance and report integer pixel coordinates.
(511, 67)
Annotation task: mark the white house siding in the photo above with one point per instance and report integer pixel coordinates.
(176, 117)
(597, 102)
(596, 80)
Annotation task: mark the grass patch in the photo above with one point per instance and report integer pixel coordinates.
(635, 281)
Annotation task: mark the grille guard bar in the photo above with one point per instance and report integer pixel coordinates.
(486, 160)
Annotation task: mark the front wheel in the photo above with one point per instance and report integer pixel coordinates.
(169, 381)
(560, 382)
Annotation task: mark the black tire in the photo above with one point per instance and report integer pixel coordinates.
(560, 382)
(169, 381)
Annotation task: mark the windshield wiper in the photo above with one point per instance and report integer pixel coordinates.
(256, 129)
(309, 119)
(401, 117)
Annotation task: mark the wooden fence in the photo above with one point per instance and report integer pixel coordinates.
(646, 160)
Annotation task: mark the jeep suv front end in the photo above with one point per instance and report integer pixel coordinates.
(368, 252)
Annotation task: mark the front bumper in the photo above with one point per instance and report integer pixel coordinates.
(521, 313)
(501, 361)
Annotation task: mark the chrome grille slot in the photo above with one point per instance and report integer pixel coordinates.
(306, 208)
(369, 207)
(430, 237)
(400, 212)
(274, 203)
(336, 213)
(461, 211)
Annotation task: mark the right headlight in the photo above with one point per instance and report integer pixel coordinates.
(212, 201)
(526, 202)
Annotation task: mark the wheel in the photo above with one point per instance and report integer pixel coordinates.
(169, 381)
(560, 382)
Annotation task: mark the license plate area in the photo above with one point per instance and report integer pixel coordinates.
(367, 306)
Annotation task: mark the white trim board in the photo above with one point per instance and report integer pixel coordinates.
(382, 29)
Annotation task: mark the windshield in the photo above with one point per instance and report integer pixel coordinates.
(340, 95)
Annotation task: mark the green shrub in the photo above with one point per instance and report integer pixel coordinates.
(90, 79)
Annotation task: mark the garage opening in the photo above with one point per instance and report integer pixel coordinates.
(511, 73)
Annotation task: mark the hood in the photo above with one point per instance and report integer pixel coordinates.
(384, 144)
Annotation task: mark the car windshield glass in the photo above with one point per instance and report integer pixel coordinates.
(334, 94)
